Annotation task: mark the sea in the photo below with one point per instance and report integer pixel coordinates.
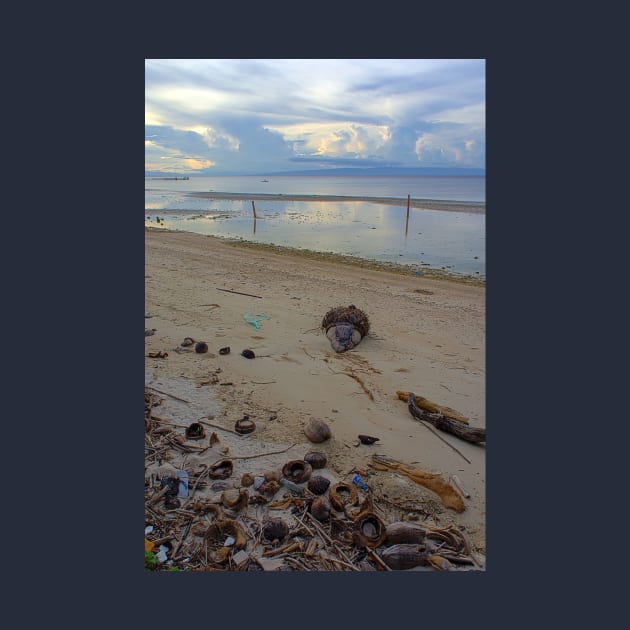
(450, 241)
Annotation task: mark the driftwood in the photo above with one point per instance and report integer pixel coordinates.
(427, 405)
(476, 435)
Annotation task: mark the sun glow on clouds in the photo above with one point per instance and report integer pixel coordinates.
(336, 139)
(167, 162)
(196, 164)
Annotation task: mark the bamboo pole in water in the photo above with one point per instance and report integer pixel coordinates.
(254, 208)
(407, 223)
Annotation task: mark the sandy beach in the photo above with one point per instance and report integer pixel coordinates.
(427, 336)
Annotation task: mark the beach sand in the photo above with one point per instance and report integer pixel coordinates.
(427, 336)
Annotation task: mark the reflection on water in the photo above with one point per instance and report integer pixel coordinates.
(453, 188)
(439, 239)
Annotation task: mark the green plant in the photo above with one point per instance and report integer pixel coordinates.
(150, 561)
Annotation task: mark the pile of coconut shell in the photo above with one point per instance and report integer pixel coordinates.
(298, 518)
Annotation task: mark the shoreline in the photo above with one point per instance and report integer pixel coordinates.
(344, 259)
(474, 207)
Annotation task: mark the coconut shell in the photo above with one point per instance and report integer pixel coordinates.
(400, 532)
(222, 528)
(297, 471)
(247, 479)
(272, 475)
(195, 431)
(316, 459)
(369, 530)
(342, 494)
(348, 314)
(244, 425)
(321, 508)
(404, 556)
(318, 484)
(275, 529)
(235, 499)
(222, 469)
(269, 488)
(317, 430)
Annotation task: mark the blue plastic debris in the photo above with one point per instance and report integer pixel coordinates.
(255, 319)
(183, 483)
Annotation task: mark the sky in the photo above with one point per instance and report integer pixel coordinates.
(258, 116)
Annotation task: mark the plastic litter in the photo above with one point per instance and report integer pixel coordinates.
(148, 529)
(357, 480)
(229, 541)
(183, 483)
(161, 555)
(255, 319)
(292, 486)
(258, 481)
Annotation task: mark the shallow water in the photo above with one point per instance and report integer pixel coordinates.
(452, 241)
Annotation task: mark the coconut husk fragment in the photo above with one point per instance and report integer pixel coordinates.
(434, 482)
(221, 529)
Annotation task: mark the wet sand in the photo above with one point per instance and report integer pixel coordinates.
(425, 204)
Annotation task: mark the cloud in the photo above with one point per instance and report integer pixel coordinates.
(272, 115)
(329, 162)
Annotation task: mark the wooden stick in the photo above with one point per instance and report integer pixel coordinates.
(345, 564)
(299, 564)
(284, 450)
(181, 542)
(192, 490)
(156, 497)
(306, 527)
(443, 440)
(291, 546)
(217, 426)
(407, 223)
(324, 535)
(239, 293)
(173, 424)
(167, 394)
(254, 208)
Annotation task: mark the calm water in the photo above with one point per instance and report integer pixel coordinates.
(454, 241)
(443, 188)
